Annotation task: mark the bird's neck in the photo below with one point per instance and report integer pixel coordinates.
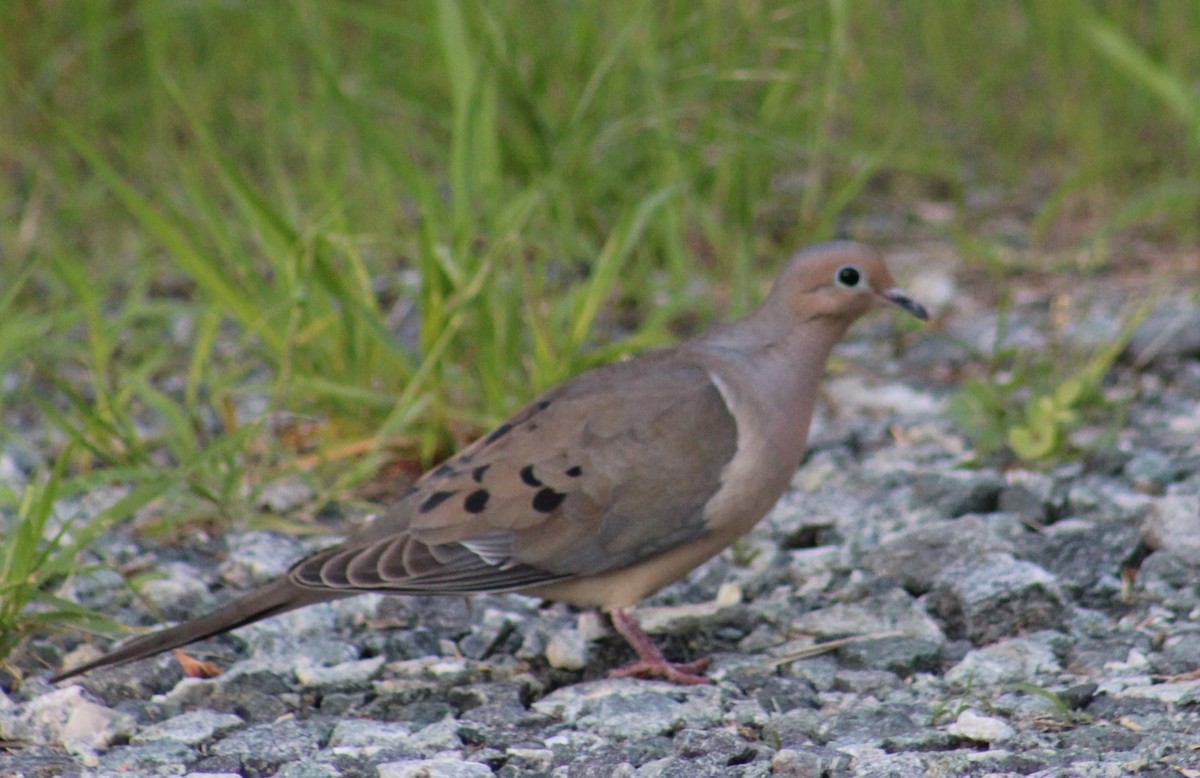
(786, 366)
(762, 340)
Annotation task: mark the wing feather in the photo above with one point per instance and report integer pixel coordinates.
(605, 470)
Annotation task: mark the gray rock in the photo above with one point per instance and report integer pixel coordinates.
(867, 723)
(162, 757)
(488, 633)
(1085, 556)
(178, 591)
(266, 747)
(810, 762)
(357, 674)
(433, 768)
(900, 655)
(258, 557)
(95, 586)
(890, 611)
(139, 680)
(955, 493)
(1167, 334)
(365, 738)
(528, 759)
(1030, 495)
(600, 762)
(1078, 696)
(308, 631)
(780, 694)
(631, 709)
(865, 682)
(875, 764)
(818, 671)
(191, 728)
(994, 596)
(703, 753)
(437, 737)
(917, 556)
(1152, 471)
(1170, 580)
(712, 748)
(1012, 660)
(220, 765)
(1180, 653)
(926, 739)
(1104, 499)
(308, 769)
(1174, 527)
(497, 693)
(795, 728)
(284, 494)
(1184, 693)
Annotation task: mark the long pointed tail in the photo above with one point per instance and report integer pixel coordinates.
(268, 600)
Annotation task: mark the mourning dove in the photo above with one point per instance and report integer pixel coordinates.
(609, 486)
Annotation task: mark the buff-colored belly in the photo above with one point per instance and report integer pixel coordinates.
(625, 587)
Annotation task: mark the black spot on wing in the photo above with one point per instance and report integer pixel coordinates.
(528, 477)
(546, 500)
(476, 501)
(435, 499)
(543, 405)
(442, 470)
(477, 473)
(575, 471)
(497, 433)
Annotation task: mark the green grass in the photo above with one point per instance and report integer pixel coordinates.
(396, 222)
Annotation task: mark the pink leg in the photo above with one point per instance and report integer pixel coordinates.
(651, 662)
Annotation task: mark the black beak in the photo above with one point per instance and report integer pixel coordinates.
(898, 297)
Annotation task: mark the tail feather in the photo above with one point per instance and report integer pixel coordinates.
(268, 600)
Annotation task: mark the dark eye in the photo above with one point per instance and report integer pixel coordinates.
(848, 276)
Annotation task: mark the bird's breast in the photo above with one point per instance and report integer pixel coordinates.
(770, 444)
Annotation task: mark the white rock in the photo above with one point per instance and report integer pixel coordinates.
(310, 673)
(672, 618)
(66, 717)
(984, 729)
(893, 398)
(567, 649)
(1172, 692)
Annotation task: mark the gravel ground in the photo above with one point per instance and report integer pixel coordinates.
(898, 614)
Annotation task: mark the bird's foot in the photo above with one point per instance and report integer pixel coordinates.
(683, 673)
(651, 662)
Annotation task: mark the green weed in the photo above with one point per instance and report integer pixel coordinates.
(1029, 402)
(42, 549)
